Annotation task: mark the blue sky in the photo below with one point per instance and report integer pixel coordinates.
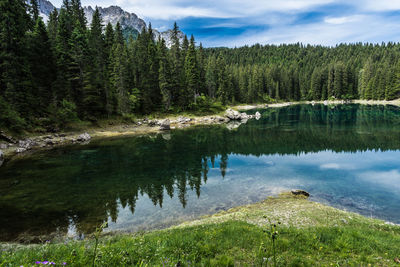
(244, 22)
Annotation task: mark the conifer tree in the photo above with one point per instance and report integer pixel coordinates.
(188, 96)
(95, 91)
(165, 75)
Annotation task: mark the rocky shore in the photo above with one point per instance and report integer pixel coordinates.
(10, 146)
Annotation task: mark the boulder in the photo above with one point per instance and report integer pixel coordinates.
(298, 192)
(232, 114)
(165, 125)
(257, 115)
(84, 137)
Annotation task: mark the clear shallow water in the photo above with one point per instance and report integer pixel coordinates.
(347, 156)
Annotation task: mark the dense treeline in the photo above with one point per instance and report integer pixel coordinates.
(65, 70)
(297, 72)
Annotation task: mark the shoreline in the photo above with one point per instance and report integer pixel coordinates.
(320, 233)
(146, 126)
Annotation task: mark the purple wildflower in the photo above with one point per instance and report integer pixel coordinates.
(45, 262)
(38, 262)
(64, 263)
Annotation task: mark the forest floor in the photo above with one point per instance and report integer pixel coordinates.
(115, 127)
(305, 233)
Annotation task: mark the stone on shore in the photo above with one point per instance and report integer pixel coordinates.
(183, 120)
(298, 192)
(232, 114)
(84, 137)
(257, 115)
(27, 143)
(165, 125)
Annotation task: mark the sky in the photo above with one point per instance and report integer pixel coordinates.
(234, 23)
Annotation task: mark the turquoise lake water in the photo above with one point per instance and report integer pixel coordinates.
(347, 156)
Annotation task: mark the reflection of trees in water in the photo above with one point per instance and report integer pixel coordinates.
(85, 187)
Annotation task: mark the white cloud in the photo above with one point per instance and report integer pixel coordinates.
(366, 28)
(379, 5)
(177, 9)
(343, 20)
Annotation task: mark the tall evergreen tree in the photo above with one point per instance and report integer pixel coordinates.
(95, 91)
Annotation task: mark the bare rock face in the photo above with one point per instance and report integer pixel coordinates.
(298, 192)
(165, 125)
(129, 22)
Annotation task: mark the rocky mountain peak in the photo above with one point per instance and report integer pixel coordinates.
(130, 22)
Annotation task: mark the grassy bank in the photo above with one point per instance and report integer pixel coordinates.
(308, 234)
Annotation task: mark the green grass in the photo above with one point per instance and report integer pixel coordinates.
(227, 239)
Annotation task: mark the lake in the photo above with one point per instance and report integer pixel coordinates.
(347, 156)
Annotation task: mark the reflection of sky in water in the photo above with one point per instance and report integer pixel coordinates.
(365, 182)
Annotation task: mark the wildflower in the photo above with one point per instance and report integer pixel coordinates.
(64, 263)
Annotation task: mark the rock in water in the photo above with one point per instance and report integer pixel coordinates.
(84, 137)
(299, 192)
(232, 114)
(165, 125)
(244, 116)
(258, 115)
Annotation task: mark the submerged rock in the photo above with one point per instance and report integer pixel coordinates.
(84, 137)
(165, 125)
(299, 192)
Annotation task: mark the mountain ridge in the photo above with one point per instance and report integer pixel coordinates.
(130, 22)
